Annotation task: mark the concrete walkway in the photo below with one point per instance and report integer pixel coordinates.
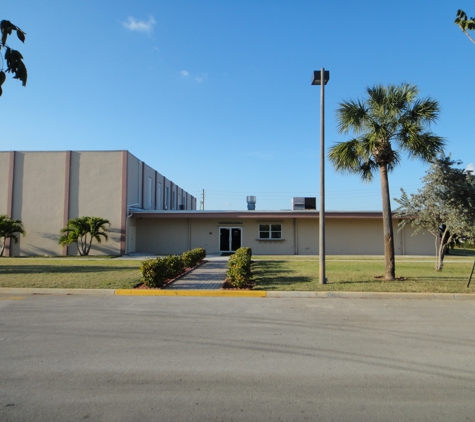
(208, 276)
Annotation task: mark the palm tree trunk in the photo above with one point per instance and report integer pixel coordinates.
(390, 271)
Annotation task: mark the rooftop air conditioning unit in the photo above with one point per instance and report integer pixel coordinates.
(301, 203)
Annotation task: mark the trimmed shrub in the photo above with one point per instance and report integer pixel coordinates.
(239, 268)
(194, 257)
(155, 272)
(174, 265)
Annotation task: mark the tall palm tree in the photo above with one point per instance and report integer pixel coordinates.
(9, 229)
(390, 121)
(82, 231)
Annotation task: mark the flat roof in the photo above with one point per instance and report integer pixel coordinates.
(253, 214)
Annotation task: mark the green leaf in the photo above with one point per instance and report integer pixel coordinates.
(20, 34)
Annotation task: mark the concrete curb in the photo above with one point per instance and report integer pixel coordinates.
(37, 291)
(237, 293)
(371, 295)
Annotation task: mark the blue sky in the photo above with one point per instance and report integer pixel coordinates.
(216, 94)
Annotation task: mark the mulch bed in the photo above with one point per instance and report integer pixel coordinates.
(229, 286)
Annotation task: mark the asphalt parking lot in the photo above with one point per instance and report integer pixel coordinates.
(122, 358)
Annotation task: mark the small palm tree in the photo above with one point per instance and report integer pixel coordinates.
(391, 120)
(82, 231)
(9, 229)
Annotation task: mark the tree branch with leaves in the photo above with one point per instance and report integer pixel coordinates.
(465, 24)
(444, 207)
(13, 58)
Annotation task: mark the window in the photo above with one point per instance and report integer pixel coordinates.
(167, 197)
(270, 231)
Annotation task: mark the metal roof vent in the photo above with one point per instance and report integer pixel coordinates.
(300, 203)
(251, 203)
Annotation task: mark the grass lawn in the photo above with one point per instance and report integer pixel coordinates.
(357, 274)
(72, 273)
(299, 273)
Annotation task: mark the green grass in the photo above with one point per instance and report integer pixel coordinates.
(69, 272)
(299, 273)
(357, 274)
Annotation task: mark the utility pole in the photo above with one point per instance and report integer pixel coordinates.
(202, 203)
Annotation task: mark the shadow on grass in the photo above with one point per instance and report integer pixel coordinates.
(58, 269)
(273, 275)
(280, 281)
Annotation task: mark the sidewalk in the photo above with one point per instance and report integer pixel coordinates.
(208, 276)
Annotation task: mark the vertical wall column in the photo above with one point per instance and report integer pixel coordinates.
(11, 173)
(171, 199)
(142, 203)
(164, 194)
(155, 191)
(67, 187)
(124, 210)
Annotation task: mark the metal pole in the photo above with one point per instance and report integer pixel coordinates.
(470, 278)
(321, 246)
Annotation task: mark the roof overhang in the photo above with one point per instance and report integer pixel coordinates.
(253, 214)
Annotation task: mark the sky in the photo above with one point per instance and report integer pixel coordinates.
(216, 94)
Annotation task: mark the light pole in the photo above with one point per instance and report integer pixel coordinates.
(321, 77)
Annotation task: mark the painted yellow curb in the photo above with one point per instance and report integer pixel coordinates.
(12, 298)
(202, 293)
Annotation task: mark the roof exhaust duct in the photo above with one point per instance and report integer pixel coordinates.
(251, 203)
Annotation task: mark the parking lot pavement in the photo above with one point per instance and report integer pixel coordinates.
(119, 358)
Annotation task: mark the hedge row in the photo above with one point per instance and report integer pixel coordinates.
(155, 272)
(239, 267)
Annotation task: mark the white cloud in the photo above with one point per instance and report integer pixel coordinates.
(201, 77)
(197, 78)
(140, 26)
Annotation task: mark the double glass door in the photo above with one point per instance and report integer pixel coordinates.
(229, 239)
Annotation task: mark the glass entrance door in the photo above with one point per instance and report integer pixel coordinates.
(229, 239)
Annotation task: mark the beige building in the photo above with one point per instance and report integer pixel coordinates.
(271, 232)
(150, 214)
(46, 189)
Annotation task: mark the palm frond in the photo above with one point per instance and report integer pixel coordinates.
(352, 157)
(425, 146)
(352, 116)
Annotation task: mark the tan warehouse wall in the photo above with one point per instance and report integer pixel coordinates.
(38, 201)
(51, 187)
(44, 189)
(94, 192)
(5, 182)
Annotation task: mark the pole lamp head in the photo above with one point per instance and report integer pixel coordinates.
(317, 77)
